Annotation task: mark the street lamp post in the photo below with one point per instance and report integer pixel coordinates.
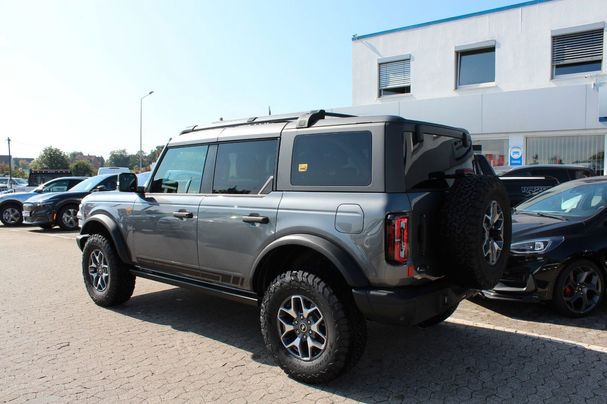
(141, 130)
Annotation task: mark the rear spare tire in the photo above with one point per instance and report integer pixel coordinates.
(477, 229)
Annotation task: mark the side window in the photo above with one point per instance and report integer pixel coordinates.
(244, 167)
(560, 175)
(110, 183)
(518, 173)
(57, 186)
(73, 182)
(180, 170)
(581, 174)
(332, 159)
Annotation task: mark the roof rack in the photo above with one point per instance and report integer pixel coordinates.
(304, 120)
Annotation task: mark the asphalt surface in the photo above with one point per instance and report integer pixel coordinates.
(178, 345)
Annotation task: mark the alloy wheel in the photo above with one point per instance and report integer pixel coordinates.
(11, 215)
(70, 218)
(99, 270)
(493, 225)
(582, 289)
(302, 328)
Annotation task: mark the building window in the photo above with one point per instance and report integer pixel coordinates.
(583, 150)
(475, 66)
(495, 150)
(395, 77)
(579, 52)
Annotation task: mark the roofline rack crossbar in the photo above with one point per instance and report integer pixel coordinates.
(308, 119)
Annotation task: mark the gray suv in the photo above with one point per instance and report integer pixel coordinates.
(323, 220)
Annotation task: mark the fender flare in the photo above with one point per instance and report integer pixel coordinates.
(113, 230)
(345, 264)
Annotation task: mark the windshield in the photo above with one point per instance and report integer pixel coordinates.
(88, 184)
(569, 200)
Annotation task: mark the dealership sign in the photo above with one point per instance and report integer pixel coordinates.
(516, 156)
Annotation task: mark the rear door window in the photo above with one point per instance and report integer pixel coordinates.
(332, 159)
(57, 186)
(244, 167)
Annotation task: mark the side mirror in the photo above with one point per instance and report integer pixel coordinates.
(127, 182)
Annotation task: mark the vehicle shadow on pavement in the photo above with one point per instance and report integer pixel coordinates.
(447, 362)
(543, 313)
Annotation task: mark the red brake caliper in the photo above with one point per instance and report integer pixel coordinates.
(568, 291)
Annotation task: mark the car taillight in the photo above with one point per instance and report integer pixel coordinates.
(397, 239)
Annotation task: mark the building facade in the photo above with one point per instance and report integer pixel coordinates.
(528, 81)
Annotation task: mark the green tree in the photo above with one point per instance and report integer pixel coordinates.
(52, 158)
(82, 167)
(119, 158)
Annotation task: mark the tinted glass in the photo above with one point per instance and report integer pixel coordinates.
(180, 170)
(244, 167)
(110, 183)
(57, 186)
(332, 159)
(559, 174)
(90, 183)
(517, 173)
(476, 66)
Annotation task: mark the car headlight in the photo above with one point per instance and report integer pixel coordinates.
(43, 205)
(536, 246)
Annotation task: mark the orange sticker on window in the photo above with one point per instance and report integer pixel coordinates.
(303, 167)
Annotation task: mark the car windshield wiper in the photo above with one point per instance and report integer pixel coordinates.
(541, 214)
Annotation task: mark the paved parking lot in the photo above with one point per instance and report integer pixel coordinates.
(177, 345)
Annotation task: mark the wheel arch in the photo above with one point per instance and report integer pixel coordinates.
(270, 262)
(11, 202)
(102, 224)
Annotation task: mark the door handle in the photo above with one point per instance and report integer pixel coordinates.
(254, 218)
(183, 214)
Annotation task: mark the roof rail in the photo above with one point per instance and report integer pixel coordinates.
(303, 120)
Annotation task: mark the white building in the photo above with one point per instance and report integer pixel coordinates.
(527, 78)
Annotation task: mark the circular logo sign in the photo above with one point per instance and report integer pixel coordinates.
(516, 152)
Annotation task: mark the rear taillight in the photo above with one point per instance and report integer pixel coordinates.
(397, 239)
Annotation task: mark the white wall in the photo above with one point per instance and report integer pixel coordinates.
(523, 51)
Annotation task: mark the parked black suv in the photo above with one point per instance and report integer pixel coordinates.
(324, 220)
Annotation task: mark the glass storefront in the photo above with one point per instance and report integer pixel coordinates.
(495, 150)
(584, 150)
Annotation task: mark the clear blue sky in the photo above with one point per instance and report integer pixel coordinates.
(72, 72)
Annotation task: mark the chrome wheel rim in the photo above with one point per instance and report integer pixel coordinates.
(11, 215)
(302, 328)
(582, 289)
(99, 273)
(493, 226)
(70, 218)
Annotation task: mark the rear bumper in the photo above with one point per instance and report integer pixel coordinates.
(408, 305)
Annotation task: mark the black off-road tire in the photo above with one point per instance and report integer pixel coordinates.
(439, 318)
(120, 281)
(345, 328)
(60, 219)
(558, 295)
(10, 210)
(464, 236)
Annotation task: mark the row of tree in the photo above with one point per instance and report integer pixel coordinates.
(86, 165)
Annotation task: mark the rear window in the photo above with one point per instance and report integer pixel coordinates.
(332, 159)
